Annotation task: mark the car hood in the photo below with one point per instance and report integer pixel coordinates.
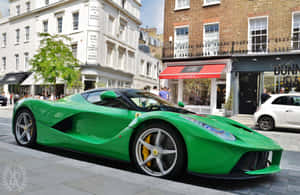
(244, 135)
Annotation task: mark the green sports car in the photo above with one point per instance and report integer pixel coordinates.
(160, 139)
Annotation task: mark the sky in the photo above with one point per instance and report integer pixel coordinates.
(151, 13)
(4, 7)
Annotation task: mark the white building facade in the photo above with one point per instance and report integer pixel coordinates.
(104, 37)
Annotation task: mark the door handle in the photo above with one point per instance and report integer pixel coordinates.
(289, 111)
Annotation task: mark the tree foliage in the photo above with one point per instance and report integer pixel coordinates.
(54, 60)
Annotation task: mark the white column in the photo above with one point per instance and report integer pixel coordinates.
(32, 91)
(228, 85)
(213, 95)
(82, 81)
(97, 81)
(180, 90)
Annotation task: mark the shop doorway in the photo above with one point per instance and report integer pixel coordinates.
(89, 85)
(221, 94)
(248, 92)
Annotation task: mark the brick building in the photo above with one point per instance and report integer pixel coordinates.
(214, 48)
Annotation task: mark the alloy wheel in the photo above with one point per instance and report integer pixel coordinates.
(24, 128)
(156, 152)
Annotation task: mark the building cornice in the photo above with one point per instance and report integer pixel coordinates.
(123, 11)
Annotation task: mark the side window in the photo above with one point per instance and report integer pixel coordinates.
(94, 97)
(284, 100)
(296, 100)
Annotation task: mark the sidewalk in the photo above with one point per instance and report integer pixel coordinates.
(244, 119)
(28, 171)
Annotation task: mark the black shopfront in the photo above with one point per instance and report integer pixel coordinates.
(251, 74)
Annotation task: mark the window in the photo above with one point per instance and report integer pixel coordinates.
(75, 21)
(17, 36)
(26, 60)
(122, 30)
(182, 4)
(95, 98)
(121, 58)
(284, 100)
(295, 100)
(46, 2)
(27, 33)
(148, 69)
(17, 61)
(110, 54)
(258, 35)
(123, 3)
(196, 91)
(296, 31)
(211, 2)
(45, 26)
(18, 9)
(211, 39)
(74, 49)
(111, 25)
(59, 25)
(4, 39)
(4, 63)
(28, 6)
(181, 42)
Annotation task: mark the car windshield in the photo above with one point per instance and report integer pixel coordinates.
(147, 101)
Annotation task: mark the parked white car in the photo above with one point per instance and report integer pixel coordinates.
(279, 111)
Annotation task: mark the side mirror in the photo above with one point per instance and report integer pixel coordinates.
(181, 104)
(108, 95)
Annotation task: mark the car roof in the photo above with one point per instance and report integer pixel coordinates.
(285, 94)
(120, 90)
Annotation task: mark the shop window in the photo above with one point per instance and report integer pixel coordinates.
(276, 83)
(296, 31)
(197, 91)
(182, 4)
(181, 42)
(258, 34)
(211, 39)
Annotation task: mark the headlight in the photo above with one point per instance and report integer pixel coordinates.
(221, 133)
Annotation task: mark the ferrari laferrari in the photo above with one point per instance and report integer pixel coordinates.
(160, 139)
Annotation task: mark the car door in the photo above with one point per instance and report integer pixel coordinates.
(279, 108)
(103, 119)
(293, 112)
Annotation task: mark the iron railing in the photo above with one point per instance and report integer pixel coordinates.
(196, 48)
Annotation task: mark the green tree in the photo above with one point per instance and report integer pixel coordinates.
(55, 60)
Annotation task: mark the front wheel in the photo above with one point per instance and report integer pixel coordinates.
(159, 151)
(24, 128)
(266, 123)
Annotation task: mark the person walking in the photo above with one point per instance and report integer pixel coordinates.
(155, 91)
(163, 93)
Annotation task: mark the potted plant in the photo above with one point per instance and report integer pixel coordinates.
(228, 105)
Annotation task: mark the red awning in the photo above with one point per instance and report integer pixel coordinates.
(193, 72)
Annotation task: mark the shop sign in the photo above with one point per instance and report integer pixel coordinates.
(289, 75)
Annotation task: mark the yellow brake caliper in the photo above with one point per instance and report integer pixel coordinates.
(145, 151)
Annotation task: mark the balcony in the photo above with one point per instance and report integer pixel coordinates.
(218, 49)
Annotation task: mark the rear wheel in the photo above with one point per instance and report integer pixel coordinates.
(25, 128)
(159, 151)
(266, 123)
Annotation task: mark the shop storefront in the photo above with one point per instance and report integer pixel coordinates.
(252, 75)
(11, 84)
(203, 86)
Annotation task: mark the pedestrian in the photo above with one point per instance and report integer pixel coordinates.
(282, 90)
(11, 98)
(155, 91)
(163, 93)
(265, 96)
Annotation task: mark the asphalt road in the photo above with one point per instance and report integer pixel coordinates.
(286, 182)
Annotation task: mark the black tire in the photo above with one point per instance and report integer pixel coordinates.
(32, 141)
(266, 123)
(180, 164)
